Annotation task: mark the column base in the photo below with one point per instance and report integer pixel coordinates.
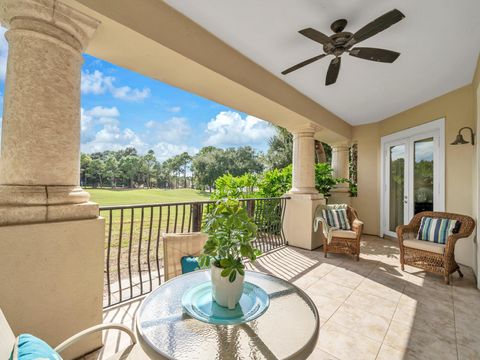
(15, 215)
(52, 280)
(37, 203)
(340, 194)
(298, 221)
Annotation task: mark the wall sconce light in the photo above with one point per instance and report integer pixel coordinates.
(460, 140)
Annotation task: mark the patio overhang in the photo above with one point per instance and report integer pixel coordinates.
(172, 48)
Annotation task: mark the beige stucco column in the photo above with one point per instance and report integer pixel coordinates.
(40, 149)
(303, 158)
(51, 237)
(340, 155)
(304, 197)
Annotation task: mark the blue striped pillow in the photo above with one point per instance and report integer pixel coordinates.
(336, 218)
(437, 230)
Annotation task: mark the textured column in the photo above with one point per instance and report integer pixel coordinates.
(340, 194)
(40, 150)
(303, 197)
(303, 175)
(340, 156)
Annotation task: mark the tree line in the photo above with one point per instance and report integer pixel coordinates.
(128, 169)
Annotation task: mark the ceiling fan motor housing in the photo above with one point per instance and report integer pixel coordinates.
(339, 43)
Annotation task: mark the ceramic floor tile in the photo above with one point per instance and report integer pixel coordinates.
(373, 326)
(319, 354)
(326, 306)
(378, 289)
(372, 304)
(421, 341)
(329, 289)
(389, 353)
(468, 353)
(344, 277)
(335, 339)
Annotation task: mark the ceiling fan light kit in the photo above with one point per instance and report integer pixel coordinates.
(343, 41)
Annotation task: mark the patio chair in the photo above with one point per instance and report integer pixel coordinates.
(431, 256)
(8, 339)
(175, 246)
(340, 241)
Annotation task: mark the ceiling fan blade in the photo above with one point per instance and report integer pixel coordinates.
(379, 24)
(333, 70)
(316, 35)
(373, 54)
(302, 64)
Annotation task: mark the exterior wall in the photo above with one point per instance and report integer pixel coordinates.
(368, 176)
(476, 175)
(52, 280)
(457, 109)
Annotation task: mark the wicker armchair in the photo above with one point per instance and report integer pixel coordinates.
(432, 257)
(342, 241)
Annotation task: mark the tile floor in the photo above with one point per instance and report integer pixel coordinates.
(369, 309)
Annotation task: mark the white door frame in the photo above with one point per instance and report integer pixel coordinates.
(435, 129)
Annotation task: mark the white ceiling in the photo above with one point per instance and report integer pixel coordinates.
(439, 41)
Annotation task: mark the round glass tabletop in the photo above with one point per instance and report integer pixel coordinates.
(287, 330)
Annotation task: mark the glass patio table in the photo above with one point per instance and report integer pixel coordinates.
(287, 330)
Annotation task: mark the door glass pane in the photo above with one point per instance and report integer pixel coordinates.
(397, 181)
(423, 175)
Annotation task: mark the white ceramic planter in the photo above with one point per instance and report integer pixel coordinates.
(224, 292)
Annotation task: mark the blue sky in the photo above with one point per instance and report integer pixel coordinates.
(120, 108)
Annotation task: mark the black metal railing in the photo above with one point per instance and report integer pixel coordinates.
(134, 247)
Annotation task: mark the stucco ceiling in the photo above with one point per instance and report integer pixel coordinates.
(439, 42)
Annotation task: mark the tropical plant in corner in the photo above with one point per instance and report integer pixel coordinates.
(231, 233)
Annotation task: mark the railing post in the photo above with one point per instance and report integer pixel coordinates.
(251, 208)
(197, 217)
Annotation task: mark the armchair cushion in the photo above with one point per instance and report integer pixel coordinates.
(337, 218)
(29, 347)
(346, 234)
(437, 230)
(424, 245)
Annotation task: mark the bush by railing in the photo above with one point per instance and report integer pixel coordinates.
(134, 247)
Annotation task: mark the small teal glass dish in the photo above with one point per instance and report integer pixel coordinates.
(199, 304)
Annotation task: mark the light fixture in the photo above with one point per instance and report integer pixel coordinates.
(460, 140)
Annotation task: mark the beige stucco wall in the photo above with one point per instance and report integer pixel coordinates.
(476, 174)
(457, 107)
(52, 280)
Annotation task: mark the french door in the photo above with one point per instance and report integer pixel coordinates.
(412, 174)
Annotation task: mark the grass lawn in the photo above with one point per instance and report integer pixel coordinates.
(106, 197)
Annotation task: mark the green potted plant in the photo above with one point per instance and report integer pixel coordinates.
(231, 233)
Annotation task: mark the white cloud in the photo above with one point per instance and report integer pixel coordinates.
(101, 130)
(228, 128)
(175, 109)
(97, 83)
(111, 137)
(175, 129)
(164, 150)
(100, 111)
(3, 53)
(129, 94)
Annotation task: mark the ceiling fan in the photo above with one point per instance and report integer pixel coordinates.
(342, 41)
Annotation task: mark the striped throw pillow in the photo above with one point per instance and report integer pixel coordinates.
(437, 230)
(336, 218)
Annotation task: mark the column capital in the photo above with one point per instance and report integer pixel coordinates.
(51, 18)
(306, 129)
(341, 145)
